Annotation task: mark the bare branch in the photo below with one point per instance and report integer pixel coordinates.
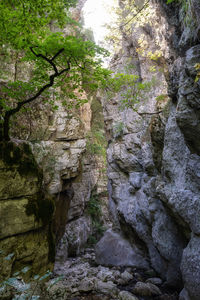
(134, 16)
(150, 113)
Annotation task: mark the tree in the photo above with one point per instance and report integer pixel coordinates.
(57, 60)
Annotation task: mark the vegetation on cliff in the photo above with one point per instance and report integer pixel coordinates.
(32, 33)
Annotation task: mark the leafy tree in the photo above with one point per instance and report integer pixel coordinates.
(57, 60)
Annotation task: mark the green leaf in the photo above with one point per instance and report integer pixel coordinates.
(17, 284)
(45, 275)
(9, 256)
(25, 269)
(16, 274)
(170, 1)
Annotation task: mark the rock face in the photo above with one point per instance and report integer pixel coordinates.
(58, 140)
(25, 212)
(153, 159)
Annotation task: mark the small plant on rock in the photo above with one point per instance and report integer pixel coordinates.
(95, 212)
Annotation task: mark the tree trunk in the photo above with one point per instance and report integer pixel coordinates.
(4, 128)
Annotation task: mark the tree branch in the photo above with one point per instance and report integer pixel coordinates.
(52, 77)
(58, 53)
(78, 64)
(150, 113)
(46, 58)
(134, 16)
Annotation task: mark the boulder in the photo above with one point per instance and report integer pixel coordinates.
(124, 295)
(154, 280)
(113, 250)
(146, 289)
(106, 287)
(184, 295)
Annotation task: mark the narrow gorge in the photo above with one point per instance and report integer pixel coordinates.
(100, 176)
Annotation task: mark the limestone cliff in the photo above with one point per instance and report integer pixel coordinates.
(153, 153)
(26, 237)
(58, 138)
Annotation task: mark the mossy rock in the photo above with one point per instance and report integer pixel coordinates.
(20, 175)
(19, 156)
(33, 242)
(43, 207)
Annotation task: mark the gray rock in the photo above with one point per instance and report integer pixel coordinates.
(113, 250)
(146, 289)
(74, 238)
(106, 287)
(190, 267)
(124, 295)
(126, 276)
(135, 179)
(184, 295)
(154, 280)
(86, 285)
(192, 57)
(154, 171)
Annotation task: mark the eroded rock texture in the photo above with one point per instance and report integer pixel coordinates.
(153, 160)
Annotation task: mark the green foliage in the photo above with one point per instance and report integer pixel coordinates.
(21, 290)
(128, 12)
(118, 129)
(161, 97)
(23, 23)
(197, 67)
(96, 139)
(94, 207)
(96, 143)
(129, 88)
(66, 62)
(170, 1)
(95, 212)
(91, 241)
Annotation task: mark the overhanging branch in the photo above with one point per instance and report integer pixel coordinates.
(134, 16)
(52, 77)
(150, 113)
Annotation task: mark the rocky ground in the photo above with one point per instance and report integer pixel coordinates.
(84, 279)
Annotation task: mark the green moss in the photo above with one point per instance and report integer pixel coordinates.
(42, 207)
(10, 153)
(21, 157)
(94, 210)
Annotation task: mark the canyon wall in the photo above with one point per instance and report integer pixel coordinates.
(57, 140)
(153, 152)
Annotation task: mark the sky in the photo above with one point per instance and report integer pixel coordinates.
(96, 14)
